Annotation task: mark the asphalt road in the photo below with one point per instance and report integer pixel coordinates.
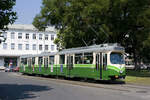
(14, 86)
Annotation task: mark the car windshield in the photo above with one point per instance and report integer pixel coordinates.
(116, 58)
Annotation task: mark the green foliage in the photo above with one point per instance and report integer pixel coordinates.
(146, 50)
(6, 14)
(85, 22)
(39, 23)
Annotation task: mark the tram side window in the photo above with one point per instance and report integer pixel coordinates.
(29, 62)
(51, 60)
(22, 60)
(104, 61)
(25, 61)
(78, 58)
(33, 60)
(46, 62)
(88, 58)
(62, 59)
(40, 60)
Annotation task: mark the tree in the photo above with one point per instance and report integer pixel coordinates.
(84, 22)
(74, 22)
(6, 14)
(132, 18)
(146, 50)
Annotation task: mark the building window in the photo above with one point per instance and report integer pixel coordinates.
(12, 35)
(52, 37)
(46, 47)
(4, 45)
(19, 35)
(40, 36)
(46, 36)
(19, 46)
(27, 46)
(40, 47)
(27, 35)
(52, 47)
(12, 46)
(34, 36)
(34, 47)
(5, 34)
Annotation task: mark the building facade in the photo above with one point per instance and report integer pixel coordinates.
(25, 39)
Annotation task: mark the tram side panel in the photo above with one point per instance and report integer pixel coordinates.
(100, 69)
(85, 65)
(88, 66)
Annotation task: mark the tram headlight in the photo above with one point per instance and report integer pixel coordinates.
(116, 76)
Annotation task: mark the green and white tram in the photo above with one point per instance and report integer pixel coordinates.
(100, 62)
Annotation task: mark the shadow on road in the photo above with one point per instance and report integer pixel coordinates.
(16, 91)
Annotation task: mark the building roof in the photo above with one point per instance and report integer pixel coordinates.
(29, 27)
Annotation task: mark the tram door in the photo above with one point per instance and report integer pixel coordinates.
(101, 63)
(69, 64)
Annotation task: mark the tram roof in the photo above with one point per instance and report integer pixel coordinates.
(39, 55)
(94, 48)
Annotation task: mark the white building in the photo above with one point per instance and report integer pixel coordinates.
(25, 39)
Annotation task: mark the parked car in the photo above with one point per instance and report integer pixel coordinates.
(2, 68)
(16, 69)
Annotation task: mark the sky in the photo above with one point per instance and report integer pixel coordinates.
(27, 10)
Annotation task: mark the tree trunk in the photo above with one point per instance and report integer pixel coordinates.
(137, 66)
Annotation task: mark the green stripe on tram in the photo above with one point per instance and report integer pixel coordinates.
(113, 68)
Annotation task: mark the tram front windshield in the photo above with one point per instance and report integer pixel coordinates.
(116, 58)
